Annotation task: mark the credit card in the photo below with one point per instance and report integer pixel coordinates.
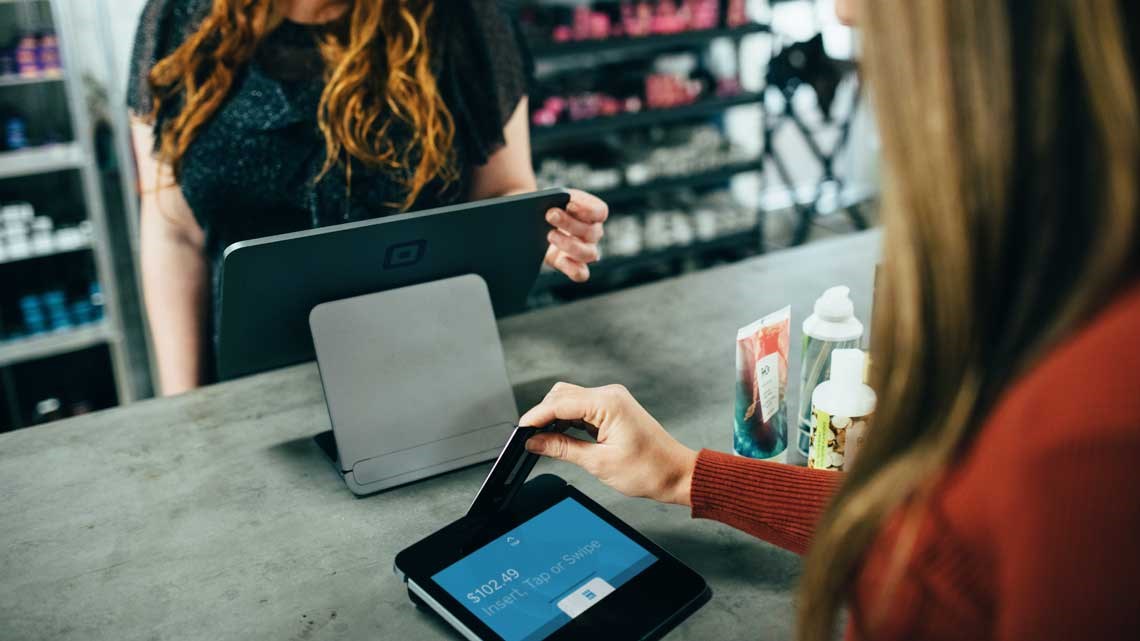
(510, 471)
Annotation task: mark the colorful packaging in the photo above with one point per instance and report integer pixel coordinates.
(841, 409)
(761, 417)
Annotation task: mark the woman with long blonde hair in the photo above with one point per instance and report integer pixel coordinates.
(257, 117)
(994, 497)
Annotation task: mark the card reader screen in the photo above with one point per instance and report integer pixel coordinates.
(535, 578)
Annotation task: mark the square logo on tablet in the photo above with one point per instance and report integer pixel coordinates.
(404, 254)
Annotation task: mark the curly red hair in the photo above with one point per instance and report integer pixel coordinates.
(377, 77)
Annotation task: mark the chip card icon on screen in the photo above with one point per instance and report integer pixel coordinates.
(585, 596)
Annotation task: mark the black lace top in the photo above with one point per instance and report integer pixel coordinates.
(252, 171)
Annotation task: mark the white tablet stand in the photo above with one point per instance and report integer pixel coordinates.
(415, 382)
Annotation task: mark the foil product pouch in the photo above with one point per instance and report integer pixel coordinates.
(761, 417)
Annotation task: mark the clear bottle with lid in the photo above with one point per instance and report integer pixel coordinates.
(832, 326)
(841, 409)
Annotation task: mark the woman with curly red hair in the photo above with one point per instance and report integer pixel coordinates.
(257, 117)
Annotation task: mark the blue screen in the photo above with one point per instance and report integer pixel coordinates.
(534, 579)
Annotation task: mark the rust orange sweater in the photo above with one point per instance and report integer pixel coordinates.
(1034, 534)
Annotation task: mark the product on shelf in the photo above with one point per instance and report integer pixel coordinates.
(51, 311)
(626, 19)
(48, 410)
(737, 13)
(15, 133)
(25, 235)
(690, 150)
(27, 62)
(47, 54)
(667, 81)
(624, 236)
(693, 219)
(32, 55)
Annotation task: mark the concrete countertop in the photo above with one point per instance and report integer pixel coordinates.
(213, 515)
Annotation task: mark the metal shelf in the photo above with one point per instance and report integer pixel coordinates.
(79, 156)
(546, 138)
(643, 43)
(86, 246)
(655, 258)
(43, 346)
(20, 81)
(626, 193)
(41, 160)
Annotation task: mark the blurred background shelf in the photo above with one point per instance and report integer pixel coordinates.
(62, 338)
(550, 51)
(35, 347)
(619, 195)
(20, 81)
(40, 160)
(746, 242)
(8, 260)
(545, 138)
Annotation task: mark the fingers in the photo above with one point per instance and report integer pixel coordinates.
(576, 271)
(561, 447)
(564, 402)
(586, 427)
(573, 247)
(587, 208)
(588, 232)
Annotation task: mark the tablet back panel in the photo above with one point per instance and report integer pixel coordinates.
(269, 285)
(415, 381)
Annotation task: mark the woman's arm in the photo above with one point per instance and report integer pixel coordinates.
(577, 229)
(636, 456)
(508, 171)
(174, 271)
(778, 503)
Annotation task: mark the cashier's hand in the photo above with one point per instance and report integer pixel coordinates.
(577, 230)
(633, 453)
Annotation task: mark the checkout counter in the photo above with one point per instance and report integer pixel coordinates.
(215, 515)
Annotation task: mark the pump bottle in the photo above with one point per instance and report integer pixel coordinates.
(841, 408)
(832, 326)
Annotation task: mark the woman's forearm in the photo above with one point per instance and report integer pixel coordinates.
(778, 503)
(174, 278)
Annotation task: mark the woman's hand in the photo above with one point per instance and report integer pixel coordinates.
(577, 230)
(633, 453)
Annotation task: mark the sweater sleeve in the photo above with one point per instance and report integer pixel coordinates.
(772, 501)
(163, 26)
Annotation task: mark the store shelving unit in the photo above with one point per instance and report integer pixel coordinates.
(76, 157)
(19, 81)
(37, 347)
(661, 259)
(546, 138)
(627, 193)
(552, 51)
(42, 160)
(82, 247)
(559, 58)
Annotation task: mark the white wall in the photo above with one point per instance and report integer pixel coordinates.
(106, 29)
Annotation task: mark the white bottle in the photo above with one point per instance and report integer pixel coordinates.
(841, 408)
(833, 326)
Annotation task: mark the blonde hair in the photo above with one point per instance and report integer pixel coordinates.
(1011, 135)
